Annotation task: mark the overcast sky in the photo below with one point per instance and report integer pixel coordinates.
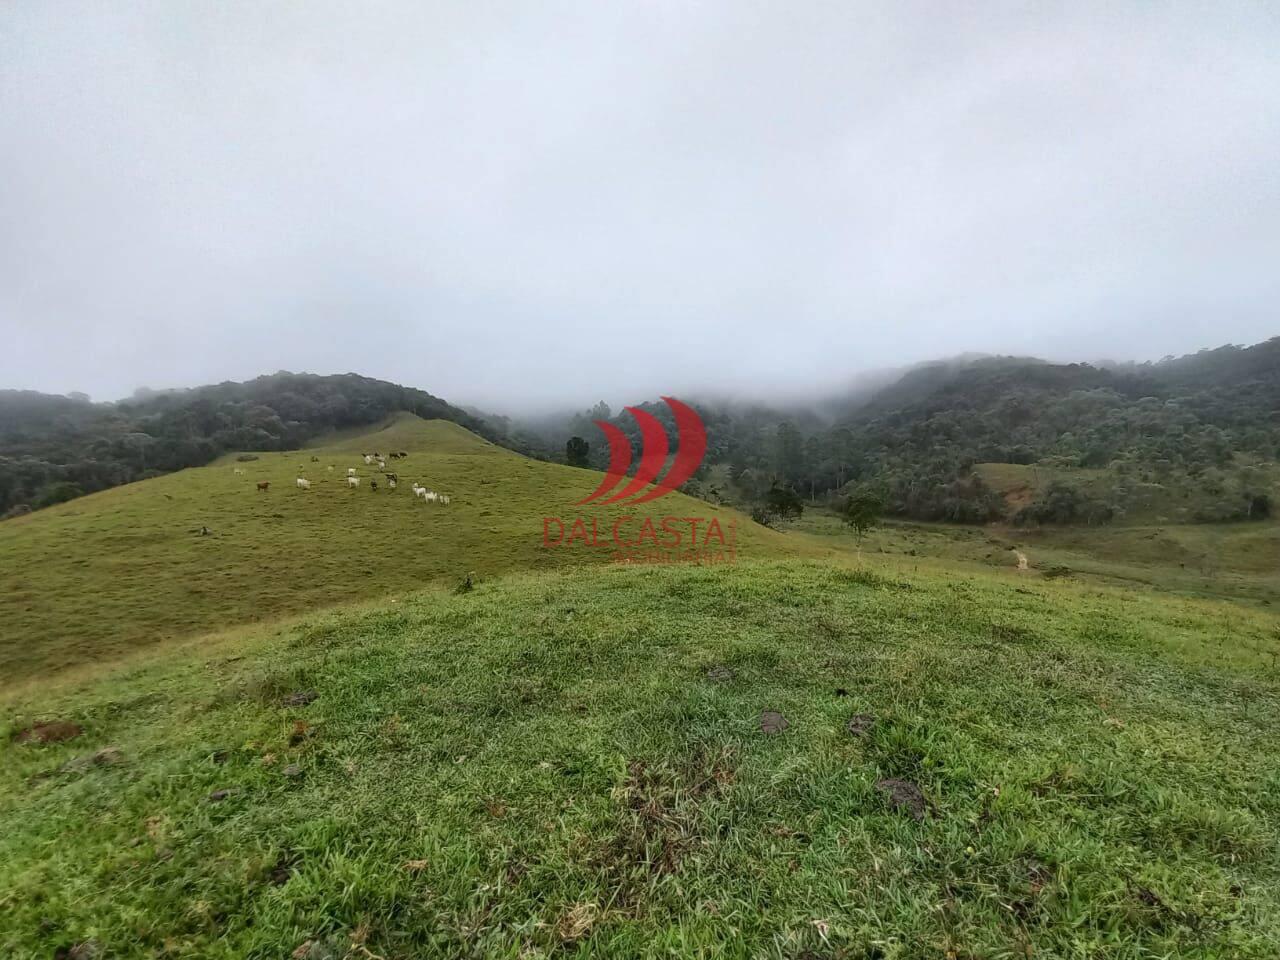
(515, 204)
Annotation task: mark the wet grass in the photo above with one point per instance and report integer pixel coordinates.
(573, 764)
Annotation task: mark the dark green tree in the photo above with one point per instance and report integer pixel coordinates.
(861, 512)
(576, 452)
(783, 502)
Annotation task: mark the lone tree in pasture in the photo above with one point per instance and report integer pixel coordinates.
(783, 502)
(576, 451)
(861, 512)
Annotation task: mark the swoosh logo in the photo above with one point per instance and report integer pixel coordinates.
(692, 436)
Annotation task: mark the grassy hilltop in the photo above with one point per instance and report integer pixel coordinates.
(127, 567)
(914, 754)
(575, 765)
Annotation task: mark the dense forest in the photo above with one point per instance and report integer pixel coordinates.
(1204, 429)
(54, 448)
(1193, 438)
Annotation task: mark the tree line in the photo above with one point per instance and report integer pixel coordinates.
(1204, 426)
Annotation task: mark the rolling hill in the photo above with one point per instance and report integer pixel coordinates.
(55, 448)
(90, 579)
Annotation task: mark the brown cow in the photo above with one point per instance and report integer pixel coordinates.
(263, 485)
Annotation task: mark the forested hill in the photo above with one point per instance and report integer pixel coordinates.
(53, 448)
(1196, 426)
(1202, 430)
(1195, 409)
(1191, 438)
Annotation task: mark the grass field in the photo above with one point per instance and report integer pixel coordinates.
(127, 568)
(1240, 561)
(574, 764)
(296, 737)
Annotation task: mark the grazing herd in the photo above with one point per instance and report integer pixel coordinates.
(353, 480)
(429, 496)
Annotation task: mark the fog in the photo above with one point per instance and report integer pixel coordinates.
(520, 205)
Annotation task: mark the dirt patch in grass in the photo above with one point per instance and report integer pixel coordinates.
(86, 950)
(302, 732)
(106, 757)
(1012, 633)
(904, 796)
(54, 731)
(860, 724)
(772, 722)
(282, 870)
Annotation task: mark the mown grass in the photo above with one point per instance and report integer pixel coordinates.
(92, 579)
(572, 764)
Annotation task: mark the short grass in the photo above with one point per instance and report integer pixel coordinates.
(1237, 560)
(572, 764)
(126, 568)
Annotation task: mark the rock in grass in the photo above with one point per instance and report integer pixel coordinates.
(299, 698)
(292, 770)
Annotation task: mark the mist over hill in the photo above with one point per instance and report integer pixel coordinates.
(1204, 428)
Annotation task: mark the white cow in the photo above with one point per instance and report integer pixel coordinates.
(391, 484)
(353, 481)
(351, 471)
(367, 460)
(303, 484)
(444, 500)
(430, 496)
(329, 468)
(237, 471)
(382, 464)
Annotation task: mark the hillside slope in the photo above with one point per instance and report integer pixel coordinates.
(582, 765)
(126, 567)
(55, 448)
